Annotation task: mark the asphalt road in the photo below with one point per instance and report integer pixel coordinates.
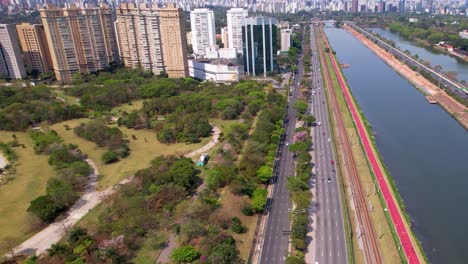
(276, 238)
(329, 239)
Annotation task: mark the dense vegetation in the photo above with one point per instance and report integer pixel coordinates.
(110, 137)
(72, 171)
(430, 33)
(21, 107)
(160, 199)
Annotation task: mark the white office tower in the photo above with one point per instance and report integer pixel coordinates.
(11, 61)
(203, 30)
(285, 39)
(235, 21)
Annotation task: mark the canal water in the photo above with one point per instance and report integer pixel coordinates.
(447, 62)
(425, 150)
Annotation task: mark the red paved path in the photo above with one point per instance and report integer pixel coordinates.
(392, 207)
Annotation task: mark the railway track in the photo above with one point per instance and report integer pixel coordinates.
(368, 237)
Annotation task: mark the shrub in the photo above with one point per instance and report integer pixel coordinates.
(259, 199)
(109, 157)
(185, 254)
(247, 210)
(237, 226)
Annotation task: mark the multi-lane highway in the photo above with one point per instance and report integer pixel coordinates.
(329, 237)
(277, 229)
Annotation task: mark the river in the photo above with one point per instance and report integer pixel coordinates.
(447, 62)
(425, 150)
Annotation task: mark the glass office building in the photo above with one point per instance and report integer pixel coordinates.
(259, 45)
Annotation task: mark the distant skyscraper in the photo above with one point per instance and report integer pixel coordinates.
(81, 40)
(35, 48)
(354, 6)
(139, 37)
(401, 6)
(285, 39)
(11, 62)
(174, 41)
(235, 21)
(259, 43)
(203, 30)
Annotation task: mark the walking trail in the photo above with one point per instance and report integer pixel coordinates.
(164, 256)
(50, 235)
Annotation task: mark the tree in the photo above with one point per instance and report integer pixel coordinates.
(60, 192)
(300, 106)
(45, 208)
(259, 199)
(308, 119)
(237, 226)
(295, 260)
(264, 173)
(183, 173)
(185, 254)
(298, 147)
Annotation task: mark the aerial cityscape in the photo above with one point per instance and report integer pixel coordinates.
(233, 131)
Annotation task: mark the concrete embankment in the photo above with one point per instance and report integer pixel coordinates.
(453, 107)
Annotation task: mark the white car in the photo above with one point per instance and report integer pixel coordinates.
(329, 139)
(319, 123)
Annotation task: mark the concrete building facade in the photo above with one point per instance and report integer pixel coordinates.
(174, 41)
(203, 30)
(259, 45)
(138, 31)
(225, 37)
(285, 39)
(81, 40)
(235, 21)
(11, 61)
(35, 48)
(221, 71)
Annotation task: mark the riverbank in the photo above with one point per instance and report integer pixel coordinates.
(453, 107)
(407, 239)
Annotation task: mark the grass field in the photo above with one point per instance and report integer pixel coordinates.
(141, 151)
(231, 208)
(128, 107)
(71, 100)
(33, 171)
(381, 225)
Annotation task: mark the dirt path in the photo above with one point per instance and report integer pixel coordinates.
(50, 235)
(210, 145)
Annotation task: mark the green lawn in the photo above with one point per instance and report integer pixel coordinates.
(71, 100)
(33, 171)
(141, 151)
(127, 107)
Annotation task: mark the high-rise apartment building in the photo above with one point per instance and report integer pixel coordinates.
(235, 21)
(259, 43)
(138, 31)
(203, 30)
(174, 41)
(285, 39)
(11, 62)
(81, 40)
(35, 48)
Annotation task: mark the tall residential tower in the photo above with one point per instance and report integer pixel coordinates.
(81, 40)
(203, 30)
(174, 41)
(235, 21)
(11, 62)
(139, 37)
(35, 48)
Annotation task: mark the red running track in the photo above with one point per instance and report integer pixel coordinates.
(392, 207)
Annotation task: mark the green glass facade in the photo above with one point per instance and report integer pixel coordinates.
(259, 37)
